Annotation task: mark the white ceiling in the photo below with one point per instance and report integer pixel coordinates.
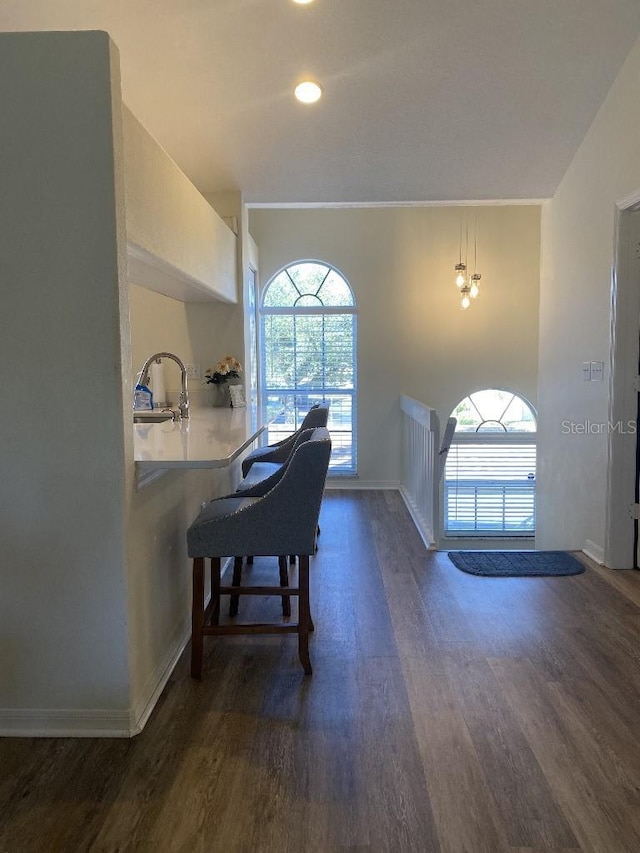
(424, 100)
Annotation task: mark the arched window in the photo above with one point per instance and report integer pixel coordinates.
(308, 349)
(491, 467)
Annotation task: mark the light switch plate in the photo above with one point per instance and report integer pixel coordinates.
(586, 371)
(193, 371)
(597, 371)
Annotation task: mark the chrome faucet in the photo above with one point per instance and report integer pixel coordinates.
(183, 403)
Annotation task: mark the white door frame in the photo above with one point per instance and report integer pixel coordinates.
(625, 329)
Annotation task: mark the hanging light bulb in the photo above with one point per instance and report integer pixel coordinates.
(468, 285)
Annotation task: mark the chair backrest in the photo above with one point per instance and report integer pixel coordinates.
(317, 416)
(252, 486)
(285, 520)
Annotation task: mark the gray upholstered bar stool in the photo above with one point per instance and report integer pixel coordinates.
(261, 478)
(283, 521)
(317, 416)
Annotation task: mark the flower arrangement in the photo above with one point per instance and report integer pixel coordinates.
(228, 368)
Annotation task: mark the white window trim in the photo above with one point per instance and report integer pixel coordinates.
(316, 310)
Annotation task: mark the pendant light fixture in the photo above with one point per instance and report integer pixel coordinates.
(468, 285)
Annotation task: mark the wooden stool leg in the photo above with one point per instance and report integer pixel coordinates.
(197, 617)
(304, 613)
(284, 581)
(215, 590)
(237, 581)
(292, 562)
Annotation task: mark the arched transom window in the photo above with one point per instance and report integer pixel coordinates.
(491, 467)
(308, 347)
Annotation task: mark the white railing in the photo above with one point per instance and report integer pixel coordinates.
(423, 463)
(421, 467)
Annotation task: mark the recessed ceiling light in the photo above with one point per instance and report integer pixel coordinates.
(308, 92)
(302, 2)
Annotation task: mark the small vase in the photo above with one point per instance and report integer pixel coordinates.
(220, 396)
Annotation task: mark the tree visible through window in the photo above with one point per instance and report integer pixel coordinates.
(308, 325)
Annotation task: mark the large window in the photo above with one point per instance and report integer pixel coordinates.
(308, 347)
(491, 467)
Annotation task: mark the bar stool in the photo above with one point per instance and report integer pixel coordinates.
(261, 478)
(317, 416)
(283, 521)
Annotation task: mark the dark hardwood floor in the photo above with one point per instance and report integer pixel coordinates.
(446, 712)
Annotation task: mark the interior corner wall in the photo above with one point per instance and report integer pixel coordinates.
(413, 337)
(575, 317)
(62, 667)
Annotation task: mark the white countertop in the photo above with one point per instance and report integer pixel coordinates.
(209, 438)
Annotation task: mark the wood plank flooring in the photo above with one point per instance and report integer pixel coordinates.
(446, 712)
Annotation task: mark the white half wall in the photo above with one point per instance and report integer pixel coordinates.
(575, 316)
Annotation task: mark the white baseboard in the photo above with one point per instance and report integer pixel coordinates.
(595, 552)
(157, 680)
(339, 483)
(56, 722)
(59, 722)
(426, 534)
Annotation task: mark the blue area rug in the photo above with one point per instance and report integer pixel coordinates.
(505, 564)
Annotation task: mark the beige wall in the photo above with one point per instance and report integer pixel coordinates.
(575, 312)
(412, 336)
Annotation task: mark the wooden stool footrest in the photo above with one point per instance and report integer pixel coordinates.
(258, 590)
(251, 628)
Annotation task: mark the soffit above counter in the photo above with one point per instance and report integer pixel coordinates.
(177, 244)
(154, 273)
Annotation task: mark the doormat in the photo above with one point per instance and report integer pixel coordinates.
(505, 564)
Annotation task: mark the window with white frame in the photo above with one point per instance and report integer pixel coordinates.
(491, 467)
(308, 354)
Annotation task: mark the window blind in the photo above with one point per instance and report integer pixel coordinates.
(490, 485)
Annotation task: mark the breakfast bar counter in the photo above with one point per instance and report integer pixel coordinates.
(209, 438)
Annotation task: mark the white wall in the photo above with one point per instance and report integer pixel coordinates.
(199, 333)
(168, 218)
(575, 302)
(412, 336)
(94, 574)
(63, 619)
(158, 515)
(236, 324)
